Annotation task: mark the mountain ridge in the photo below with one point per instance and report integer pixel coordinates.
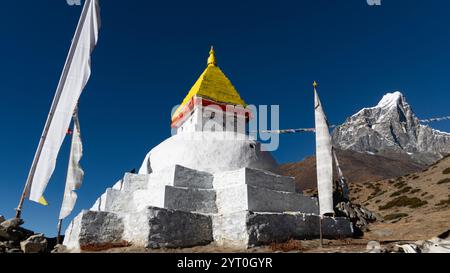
(381, 142)
(392, 127)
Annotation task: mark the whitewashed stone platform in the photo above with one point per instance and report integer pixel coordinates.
(247, 228)
(151, 228)
(232, 199)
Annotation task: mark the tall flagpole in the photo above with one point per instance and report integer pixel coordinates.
(55, 102)
(321, 217)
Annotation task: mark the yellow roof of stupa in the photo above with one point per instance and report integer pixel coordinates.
(213, 85)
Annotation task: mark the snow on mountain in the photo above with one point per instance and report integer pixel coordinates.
(390, 128)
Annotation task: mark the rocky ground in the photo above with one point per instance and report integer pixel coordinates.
(413, 207)
(15, 239)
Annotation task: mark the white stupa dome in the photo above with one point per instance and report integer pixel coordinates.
(208, 151)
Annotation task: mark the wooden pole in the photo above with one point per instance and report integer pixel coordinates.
(321, 232)
(55, 102)
(58, 237)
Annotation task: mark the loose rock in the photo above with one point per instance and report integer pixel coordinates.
(360, 216)
(11, 224)
(59, 249)
(34, 244)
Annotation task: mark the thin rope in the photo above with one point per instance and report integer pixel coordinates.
(313, 130)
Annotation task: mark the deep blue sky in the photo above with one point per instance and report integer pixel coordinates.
(151, 52)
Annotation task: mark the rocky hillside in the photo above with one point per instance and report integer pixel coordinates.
(414, 207)
(389, 128)
(357, 167)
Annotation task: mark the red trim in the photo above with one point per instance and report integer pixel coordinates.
(187, 110)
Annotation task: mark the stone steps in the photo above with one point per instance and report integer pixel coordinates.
(132, 182)
(179, 176)
(249, 229)
(177, 198)
(115, 201)
(251, 198)
(181, 207)
(254, 177)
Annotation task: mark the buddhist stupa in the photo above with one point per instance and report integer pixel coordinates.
(208, 184)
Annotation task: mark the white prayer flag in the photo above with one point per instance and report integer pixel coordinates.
(75, 76)
(324, 159)
(75, 173)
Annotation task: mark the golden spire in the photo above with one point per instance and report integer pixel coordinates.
(315, 85)
(212, 57)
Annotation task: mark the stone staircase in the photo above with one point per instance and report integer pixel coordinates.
(182, 207)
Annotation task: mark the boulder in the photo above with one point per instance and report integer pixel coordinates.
(10, 235)
(360, 216)
(2, 219)
(12, 223)
(59, 249)
(34, 244)
(11, 244)
(14, 234)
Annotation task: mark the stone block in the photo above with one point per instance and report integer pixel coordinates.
(247, 229)
(183, 199)
(179, 176)
(134, 182)
(245, 197)
(115, 201)
(190, 200)
(177, 229)
(95, 230)
(163, 228)
(254, 177)
(268, 228)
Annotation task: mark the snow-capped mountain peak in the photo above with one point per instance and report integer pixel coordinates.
(391, 100)
(392, 127)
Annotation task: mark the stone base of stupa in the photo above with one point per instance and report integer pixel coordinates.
(178, 207)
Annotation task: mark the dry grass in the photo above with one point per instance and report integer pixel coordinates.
(444, 181)
(395, 216)
(404, 201)
(446, 171)
(291, 245)
(400, 192)
(444, 203)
